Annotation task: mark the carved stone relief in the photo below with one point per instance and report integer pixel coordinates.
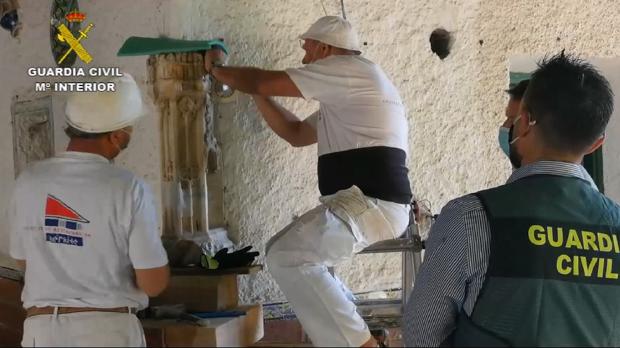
(188, 145)
(33, 131)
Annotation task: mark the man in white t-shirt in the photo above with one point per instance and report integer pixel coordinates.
(362, 134)
(86, 231)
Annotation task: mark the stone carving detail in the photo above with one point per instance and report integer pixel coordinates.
(180, 94)
(33, 132)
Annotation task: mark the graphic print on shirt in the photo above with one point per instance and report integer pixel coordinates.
(63, 225)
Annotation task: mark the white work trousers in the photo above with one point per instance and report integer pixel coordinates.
(298, 257)
(84, 329)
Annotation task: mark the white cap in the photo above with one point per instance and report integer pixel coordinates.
(334, 31)
(101, 112)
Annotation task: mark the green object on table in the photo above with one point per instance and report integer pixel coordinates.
(146, 46)
(208, 262)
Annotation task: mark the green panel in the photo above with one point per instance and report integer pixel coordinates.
(145, 46)
(594, 165)
(516, 77)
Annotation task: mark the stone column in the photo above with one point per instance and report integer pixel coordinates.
(180, 94)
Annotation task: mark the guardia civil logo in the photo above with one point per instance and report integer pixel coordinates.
(66, 35)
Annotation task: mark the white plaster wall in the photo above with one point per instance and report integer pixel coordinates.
(455, 105)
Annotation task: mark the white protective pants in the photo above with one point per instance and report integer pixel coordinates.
(298, 257)
(84, 329)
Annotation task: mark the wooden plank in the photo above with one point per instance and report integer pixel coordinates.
(220, 332)
(199, 271)
(12, 314)
(11, 274)
(200, 294)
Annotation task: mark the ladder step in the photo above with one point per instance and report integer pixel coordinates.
(380, 308)
(394, 245)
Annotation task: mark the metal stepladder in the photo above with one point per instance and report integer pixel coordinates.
(387, 313)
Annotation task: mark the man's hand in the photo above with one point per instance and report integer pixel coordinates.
(214, 57)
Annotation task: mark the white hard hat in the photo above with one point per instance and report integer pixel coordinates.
(101, 112)
(334, 31)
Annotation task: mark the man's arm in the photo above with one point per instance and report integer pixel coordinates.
(146, 251)
(447, 283)
(257, 81)
(153, 280)
(285, 124)
(16, 230)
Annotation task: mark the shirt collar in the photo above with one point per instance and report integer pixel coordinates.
(85, 156)
(552, 168)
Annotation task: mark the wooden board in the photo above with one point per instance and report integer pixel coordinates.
(200, 271)
(12, 314)
(240, 331)
(200, 294)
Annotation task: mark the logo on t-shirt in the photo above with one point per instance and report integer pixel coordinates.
(64, 222)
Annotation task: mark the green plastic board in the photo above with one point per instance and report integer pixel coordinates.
(146, 46)
(516, 77)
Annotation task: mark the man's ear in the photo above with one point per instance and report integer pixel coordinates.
(326, 48)
(595, 146)
(114, 137)
(526, 122)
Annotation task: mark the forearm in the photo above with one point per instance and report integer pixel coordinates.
(153, 281)
(285, 124)
(257, 82)
(240, 78)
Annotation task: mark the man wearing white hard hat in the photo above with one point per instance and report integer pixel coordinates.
(86, 231)
(361, 130)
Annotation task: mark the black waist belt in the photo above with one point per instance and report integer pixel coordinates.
(380, 172)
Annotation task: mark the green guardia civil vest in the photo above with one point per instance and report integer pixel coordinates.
(554, 265)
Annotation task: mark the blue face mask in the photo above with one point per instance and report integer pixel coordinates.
(504, 140)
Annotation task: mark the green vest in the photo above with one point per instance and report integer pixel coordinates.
(554, 266)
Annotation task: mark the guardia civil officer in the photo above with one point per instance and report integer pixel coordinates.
(534, 262)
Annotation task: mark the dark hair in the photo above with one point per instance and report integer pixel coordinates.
(570, 101)
(72, 132)
(517, 91)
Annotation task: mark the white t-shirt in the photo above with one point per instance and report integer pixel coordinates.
(359, 105)
(83, 226)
